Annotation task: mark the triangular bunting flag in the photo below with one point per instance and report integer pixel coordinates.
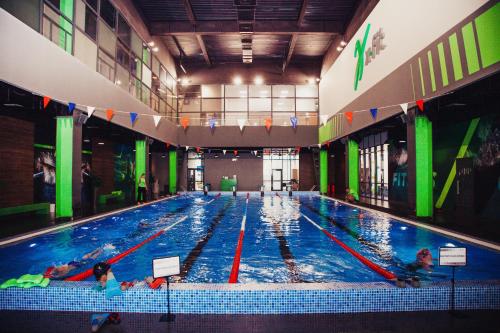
(198, 149)
(71, 107)
(348, 116)
(404, 106)
(374, 111)
(297, 149)
(187, 148)
(224, 151)
(241, 123)
(133, 118)
(211, 122)
(109, 114)
(168, 145)
(323, 118)
(268, 123)
(289, 150)
(255, 152)
(156, 120)
(90, 111)
(294, 121)
(319, 145)
(420, 104)
(46, 100)
(235, 152)
(184, 122)
(328, 145)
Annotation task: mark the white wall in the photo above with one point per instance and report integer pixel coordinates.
(409, 26)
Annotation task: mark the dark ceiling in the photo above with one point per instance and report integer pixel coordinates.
(215, 32)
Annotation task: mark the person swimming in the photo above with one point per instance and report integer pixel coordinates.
(61, 271)
(423, 261)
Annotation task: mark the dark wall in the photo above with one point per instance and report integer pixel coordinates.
(16, 161)
(339, 166)
(248, 170)
(103, 165)
(159, 169)
(306, 170)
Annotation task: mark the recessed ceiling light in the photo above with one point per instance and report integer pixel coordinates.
(100, 143)
(339, 48)
(343, 43)
(237, 80)
(151, 43)
(155, 49)
(258, 80)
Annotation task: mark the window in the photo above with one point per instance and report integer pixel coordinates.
(307, 104)
(146, 76)
(106, 65)
(86, 19)
(135, 87)
(146, 95)
(122, 77)
(64, 6)
(136, 43)
(146, 55)
(122, 56)
(85, 50)
(283, 91)
(93, 4)
(136, 67)
(280, 168)
(155, 68)
(283, 104)
(108, 13)
(373, 167)
(57, 29)
(107, 38)
(123, 31)
(309, 90)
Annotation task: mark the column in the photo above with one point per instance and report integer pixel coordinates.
(423, 166)
(323, 171)
(64, 167)
(353, 167)
(140, 162)
(172, 170)
(77, 163)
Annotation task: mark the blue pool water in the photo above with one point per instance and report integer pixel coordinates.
(280, 244)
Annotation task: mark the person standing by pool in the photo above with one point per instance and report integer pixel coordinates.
(142, 189)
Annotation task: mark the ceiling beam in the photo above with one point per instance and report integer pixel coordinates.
(302, 12)
(179, 47)
(233, 28)
(294, 38)
(199, 38)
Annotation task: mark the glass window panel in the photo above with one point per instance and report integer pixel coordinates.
(155, 67)
(146, 75)
(123, 30)
(146, 55)
(146, 95)
(108, 13)
(212, 104)
(283, 104)
(282, 119)
(135, 87)
(155, 102)
(236, 91)
(307, 118)
(163, 75)
(86, 19)
(280, 90)
(212, 91)
(106, 65)
(260, 104)
(232, 118)
(122, 56)
(107, 38)
(122, 77)
(136, 67)
(92, 3)
(307, 104)
(57, 29)
(236, 104)
(258, 118)
(85, 50)
(136, 43)
(307, 90)
(259, 91)
(191, 104)
(65, 6)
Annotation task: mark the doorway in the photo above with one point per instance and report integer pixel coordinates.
(195, 180)
(277, 180)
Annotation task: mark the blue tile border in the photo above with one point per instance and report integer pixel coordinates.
(257, 298)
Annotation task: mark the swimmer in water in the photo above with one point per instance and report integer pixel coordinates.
(423, 260)
(61, 271)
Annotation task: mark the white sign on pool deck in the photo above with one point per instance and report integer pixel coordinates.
(452, 256)
(168, 266)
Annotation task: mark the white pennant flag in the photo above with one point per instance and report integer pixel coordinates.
(90, 110)
(241, 123)
(323, 118)
(187, 148)
(404, 106)
(255, 152)
(224, 151)
(157, 120)
(289, 150)
(319, 145)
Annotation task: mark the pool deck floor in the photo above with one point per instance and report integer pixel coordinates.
(408, 322)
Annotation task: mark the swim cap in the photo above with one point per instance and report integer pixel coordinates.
(101, 269)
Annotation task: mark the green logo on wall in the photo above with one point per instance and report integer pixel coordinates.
(365, 56)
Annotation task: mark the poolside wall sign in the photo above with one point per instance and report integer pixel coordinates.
(365, 56)
(452, 256)
(167, 266)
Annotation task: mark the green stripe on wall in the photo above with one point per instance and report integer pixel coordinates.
(172, 170)
(470, 48)
(64, 167)
(488, 32)
(323, 171)
(455, 57)
(461, 153)
(431, 70)
(442, 63)
(140, 162)
(423, 166)
(353, 160)
(38, 145)
(421, 76)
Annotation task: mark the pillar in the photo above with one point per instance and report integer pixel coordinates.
(77, 163)
(64, 167)
(353, 167)
(172, 170)
(323, 171)
(423, 166)
(140, 162)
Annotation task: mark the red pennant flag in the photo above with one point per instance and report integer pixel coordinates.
(109, 114)
(198, 149)
(184, 122)
(46, 100)
(420, 104)
(268, 123)
(328, 144)
(235, 152)
(168, 145)
(348, 116)
(297, 149)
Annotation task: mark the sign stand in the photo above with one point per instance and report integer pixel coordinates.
(452, 256)
(169, 317)
(452, 305)
(164, 268)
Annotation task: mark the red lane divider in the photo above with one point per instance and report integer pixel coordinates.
(85, 274)
(385, 273)
(233, 277)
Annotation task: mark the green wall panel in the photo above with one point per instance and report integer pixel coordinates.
(442, 63)
(323, 171)
(140, 162)
(172, 169)
(353, 160)
(455, 57)
(470, 48)
(488, 32)
(431, 70)
(64, 167)
(423, 166)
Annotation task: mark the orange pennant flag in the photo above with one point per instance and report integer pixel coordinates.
(46, 100)
(109, 114)
(348, 116)
(184, 122)
(420, 104)
(198, 149)
(168, 145)
(268, 123)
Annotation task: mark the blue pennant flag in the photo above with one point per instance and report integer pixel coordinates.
(294, 121)
(212, 123)
(133, 117)
(374, 113)
(71, 107)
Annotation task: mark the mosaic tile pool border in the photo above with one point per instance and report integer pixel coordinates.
(257, 298)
